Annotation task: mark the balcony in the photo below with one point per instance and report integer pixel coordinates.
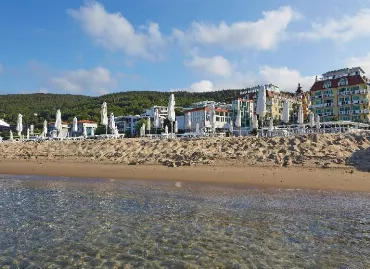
(355, 101)
(345, 93)
(356, 111)
(344, 103)
(328, 95)
(328, 104)
(364, 101)
(365, 111)
(364, 91)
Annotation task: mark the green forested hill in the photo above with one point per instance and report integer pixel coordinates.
(85, 107)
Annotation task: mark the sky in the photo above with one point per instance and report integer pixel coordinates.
(100, 47)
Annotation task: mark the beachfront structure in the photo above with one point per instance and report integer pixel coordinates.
(53, 131)
(341, 95)
(246, 107)
(162, 111)
(200, 114)
(274, 100)
(81, 124)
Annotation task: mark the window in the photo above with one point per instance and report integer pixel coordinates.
(327, 84)
(318, 93)
(343, 82)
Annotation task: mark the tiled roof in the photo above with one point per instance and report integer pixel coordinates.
(207, 109)
(86, 121)
(352, 80)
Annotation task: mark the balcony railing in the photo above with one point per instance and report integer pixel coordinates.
(342, 103)
(345, 93)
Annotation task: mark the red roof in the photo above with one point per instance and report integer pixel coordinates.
(86, 121)
(352, 80)
(207, 109)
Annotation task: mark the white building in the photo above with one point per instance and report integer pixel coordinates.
(200, 114)
(162, 110)
(88, 124)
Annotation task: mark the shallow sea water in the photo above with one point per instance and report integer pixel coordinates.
(76, 223)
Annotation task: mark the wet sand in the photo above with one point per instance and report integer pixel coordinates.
(294, 177)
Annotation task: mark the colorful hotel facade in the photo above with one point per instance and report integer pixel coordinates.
(342, 95)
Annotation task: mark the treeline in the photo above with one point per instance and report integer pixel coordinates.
(36, 108)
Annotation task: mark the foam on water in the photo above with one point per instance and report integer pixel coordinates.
(69, 223)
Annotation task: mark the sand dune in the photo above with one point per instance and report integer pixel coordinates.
(307, 150)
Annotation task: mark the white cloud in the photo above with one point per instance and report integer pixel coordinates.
(342, 29)
(263, 34)
(97, 80)
(114, 32)
(201, 86)
(363, 62)
(287, 79)
(216, 65)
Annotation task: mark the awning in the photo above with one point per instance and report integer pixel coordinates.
(3, 123)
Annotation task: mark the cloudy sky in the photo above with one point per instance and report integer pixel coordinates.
(93, 48)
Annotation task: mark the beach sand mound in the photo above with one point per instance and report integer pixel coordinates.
(315, 149)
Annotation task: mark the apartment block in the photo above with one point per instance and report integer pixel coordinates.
(341, 95)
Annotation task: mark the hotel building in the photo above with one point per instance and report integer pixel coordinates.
(274, 100)
(341, 95)
(200, 113)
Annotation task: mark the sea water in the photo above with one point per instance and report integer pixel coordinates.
(86, 223)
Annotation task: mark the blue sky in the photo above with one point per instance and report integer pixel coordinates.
(93, 48)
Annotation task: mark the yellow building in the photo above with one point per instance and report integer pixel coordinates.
(341, 95)
(274, 100)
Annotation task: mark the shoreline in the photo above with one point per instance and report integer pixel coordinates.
(293, 177)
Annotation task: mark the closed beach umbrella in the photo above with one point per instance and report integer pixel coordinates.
(271, 125)
(58, 121)
(112, 123)
(19, 125)
(197, 128)
(231, 127)
(255, 121)
(45, 129)
(317, 121)
(176, 127)
(11, 135)
(261, 102)
(171, 109)
(74, 125)
(312, 120)
(148, 124)
(300, 115)
(188, 120)
(156, 118)
(212, 116)
(28, 133)
(238, 122)
(104, 116)
(84, 133)
(92, 131)
(166, 129)
(285, 117)
(143, 129)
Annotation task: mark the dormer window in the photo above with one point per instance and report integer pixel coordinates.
(343, 82)
(327, 84)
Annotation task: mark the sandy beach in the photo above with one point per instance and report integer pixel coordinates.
(328, 162)
(346, 179)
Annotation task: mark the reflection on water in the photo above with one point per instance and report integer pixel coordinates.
(54, 223)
